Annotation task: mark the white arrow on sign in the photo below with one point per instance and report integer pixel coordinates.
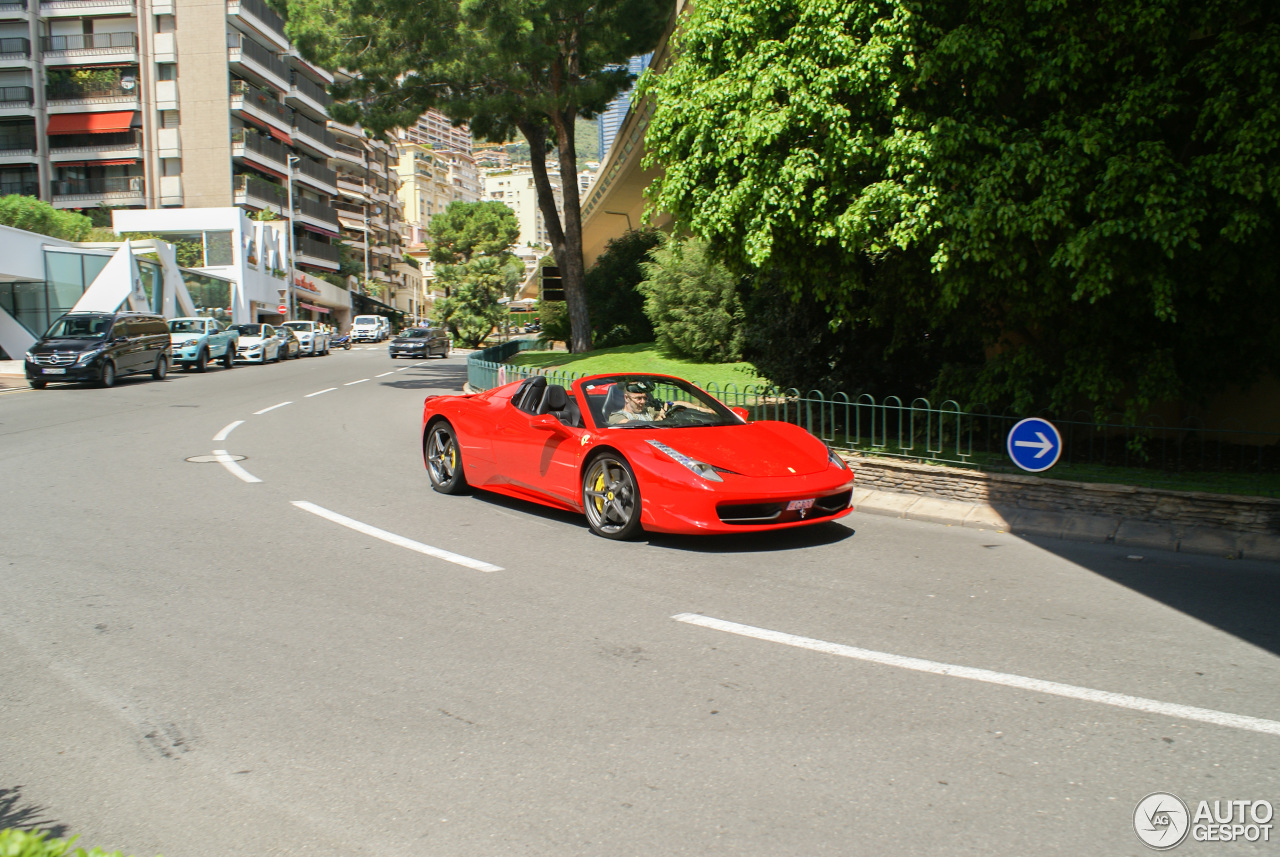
(1044, 445)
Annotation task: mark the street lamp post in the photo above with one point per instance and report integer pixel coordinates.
(293, 159)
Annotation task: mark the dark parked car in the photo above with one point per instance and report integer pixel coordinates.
(100, 346)
(420, 342)
(290, 344)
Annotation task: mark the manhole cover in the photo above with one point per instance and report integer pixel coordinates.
(214, 459)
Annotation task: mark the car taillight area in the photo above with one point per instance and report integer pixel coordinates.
(784, 511)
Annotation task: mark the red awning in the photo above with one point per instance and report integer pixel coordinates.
(317, 230)
(91, 123)
(311, 307)
(280, 135)
(248, 156)
(118, 162)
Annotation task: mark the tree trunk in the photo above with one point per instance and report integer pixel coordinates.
(566, 237)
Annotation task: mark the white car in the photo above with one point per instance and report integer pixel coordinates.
(313, 336)
(258, 343)
(369, 328)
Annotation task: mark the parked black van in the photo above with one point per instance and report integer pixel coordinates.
(100, 346)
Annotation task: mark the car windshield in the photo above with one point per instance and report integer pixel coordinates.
(80, 327)
(186, 325)
(248, 329)
(652, 402)
(415, 334)
(298, 325)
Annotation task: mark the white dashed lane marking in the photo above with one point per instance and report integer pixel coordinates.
(361, 381)
(392, 538)
(1119, 700)
(319, 392)
(272, 408)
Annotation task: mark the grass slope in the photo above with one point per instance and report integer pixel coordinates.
(643, 358)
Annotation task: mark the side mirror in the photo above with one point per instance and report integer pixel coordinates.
(742, 412)
(546, 422)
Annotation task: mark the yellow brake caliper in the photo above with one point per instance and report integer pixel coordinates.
(599, 491)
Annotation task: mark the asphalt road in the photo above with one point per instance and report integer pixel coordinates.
(194, 664)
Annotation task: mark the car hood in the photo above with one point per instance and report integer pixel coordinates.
(252, 340)
(410, 341)
(185, 336)
(47, 345)
(756, 449)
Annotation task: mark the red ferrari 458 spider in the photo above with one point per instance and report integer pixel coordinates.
(634, 452)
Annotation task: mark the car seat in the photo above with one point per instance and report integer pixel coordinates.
(528, 396)
(557, 402)
(614, 401)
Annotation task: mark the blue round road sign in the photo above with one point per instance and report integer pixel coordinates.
(1034, 444)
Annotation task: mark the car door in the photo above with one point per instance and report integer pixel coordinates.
(270, 343)
(127, 340)
(536, 459)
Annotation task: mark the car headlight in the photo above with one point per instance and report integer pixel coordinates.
(31, 358)
(699, 468)
(90, 355)
(836, 460)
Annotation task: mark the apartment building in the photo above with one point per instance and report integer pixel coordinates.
(430, 180)
(369, 210)
(167, 103)
(434, 130)
(515, 189)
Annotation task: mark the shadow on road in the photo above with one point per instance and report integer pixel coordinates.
(1240, 597)
(16, 813)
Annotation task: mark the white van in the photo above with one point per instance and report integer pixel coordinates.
(367, 328)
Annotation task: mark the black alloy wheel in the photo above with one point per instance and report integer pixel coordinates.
(611, 498)
(444, 459)
(38, 385)
(108, 374)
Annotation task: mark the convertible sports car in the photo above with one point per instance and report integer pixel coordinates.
(634, 452)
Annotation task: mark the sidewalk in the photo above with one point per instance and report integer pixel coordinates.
(11, 375)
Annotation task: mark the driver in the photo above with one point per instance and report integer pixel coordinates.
(638, 405)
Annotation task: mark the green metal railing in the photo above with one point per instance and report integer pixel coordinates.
(1229, 457)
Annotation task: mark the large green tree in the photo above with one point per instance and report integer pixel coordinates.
(469, 244)
(467, 229)
(1087, 190)
(502, 65)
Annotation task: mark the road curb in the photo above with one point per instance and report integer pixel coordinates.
(1146, 535)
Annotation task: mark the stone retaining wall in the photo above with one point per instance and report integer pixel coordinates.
(1191, 521)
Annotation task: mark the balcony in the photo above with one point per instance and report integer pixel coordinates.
(307, 95)
(349, 155)
(93, 148)
(312, 136)
(316, 175)
(15, 50)
(17, 101)
(259, 193)
(86, 8)
(319, 214)
(23, 186)
(251, 59)
(11, 9)
(115, 191)
(259, 149)
(71, 97)
(308, 251)
(18, 148)
(260, 104)
(114, 48)
(261, 18)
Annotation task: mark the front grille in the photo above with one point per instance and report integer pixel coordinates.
(56, 358)
(747, 514)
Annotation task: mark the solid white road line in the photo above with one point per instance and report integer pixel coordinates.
(222, 435)
(1136, 703)
(392, 538)
(272, 408)
(361, 381)
(383, 375)
(232, 465)
(319, 392)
